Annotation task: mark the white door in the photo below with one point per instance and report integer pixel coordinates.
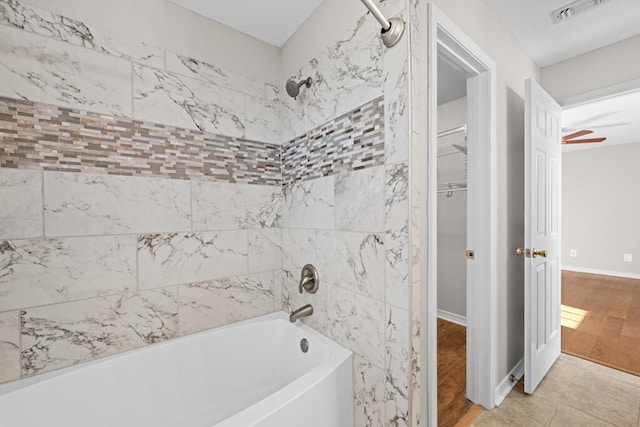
(543, 162)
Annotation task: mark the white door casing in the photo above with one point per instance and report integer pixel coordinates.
(542, 281)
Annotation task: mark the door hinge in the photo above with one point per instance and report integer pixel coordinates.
(470, 254)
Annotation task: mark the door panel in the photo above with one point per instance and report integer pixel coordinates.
(543, 163)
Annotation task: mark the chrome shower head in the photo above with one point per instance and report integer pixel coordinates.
(293, 88)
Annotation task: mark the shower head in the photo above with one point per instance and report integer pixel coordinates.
(293, 88)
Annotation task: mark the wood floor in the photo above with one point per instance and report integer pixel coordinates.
(453, 407)
(601, 319)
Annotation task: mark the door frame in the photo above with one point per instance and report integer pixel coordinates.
(482, 296)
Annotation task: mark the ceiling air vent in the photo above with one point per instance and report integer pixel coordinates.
(572, 9)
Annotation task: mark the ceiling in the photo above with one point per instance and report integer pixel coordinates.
(452, 80)
(616, 118)
(546, 43)
(272, 21)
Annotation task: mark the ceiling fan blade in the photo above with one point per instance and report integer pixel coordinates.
(581, 141)
(577, 134)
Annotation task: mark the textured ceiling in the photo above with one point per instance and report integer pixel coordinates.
(547, 43)
(272, 21)
(616, 118)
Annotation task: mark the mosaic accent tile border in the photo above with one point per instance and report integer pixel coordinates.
(43, 136)
(350, 142)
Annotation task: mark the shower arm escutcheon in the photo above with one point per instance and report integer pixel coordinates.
(392, 29)
(309, 279)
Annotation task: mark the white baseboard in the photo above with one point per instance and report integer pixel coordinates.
(601, 272)
(507, 384)
(452, 317)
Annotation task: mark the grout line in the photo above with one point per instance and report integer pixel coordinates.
(20, 348)
(134, 291)
(131, 69)
(191, 203)
(42, 205)
(137, 264)
(178, 331)
(142, 233)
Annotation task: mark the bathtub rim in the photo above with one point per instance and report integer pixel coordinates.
(339, 352)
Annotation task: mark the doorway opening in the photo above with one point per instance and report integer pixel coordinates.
(452, 241)
(601, 273)
(470, 181)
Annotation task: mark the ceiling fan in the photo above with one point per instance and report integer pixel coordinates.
(571, 138)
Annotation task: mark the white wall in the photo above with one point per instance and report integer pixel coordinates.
(452, 214)
(513, 67)
(169, 26)
(611, 65)
(600, 208)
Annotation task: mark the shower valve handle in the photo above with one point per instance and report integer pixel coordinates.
(309, 279)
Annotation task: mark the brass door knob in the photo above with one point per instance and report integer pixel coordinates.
(542, 253)
(520, 251)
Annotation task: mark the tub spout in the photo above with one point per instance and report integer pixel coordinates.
(304, 311)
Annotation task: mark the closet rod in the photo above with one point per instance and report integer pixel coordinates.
(451, 131)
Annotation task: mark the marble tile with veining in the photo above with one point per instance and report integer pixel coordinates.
(309, 204)
(46, 70)
(222, 206)
(393, 8)
(299, 248)
(292, 299)
(21, 207)
(265, 249)
(79, 204)
(46, 271)
(65, 334)
(368, 394)
(415, 245)
(293, 118)
(262, 121)
(346, 74)
(353, 261)
(357, 322)
(397, 366)
(396, 197)
(215, 303)
(396, 107)
(181, 258)
(397, 235)
(9, 346)
(416, 365)
(201, 70)
(164, 97)
(78, 33)
(359, 200)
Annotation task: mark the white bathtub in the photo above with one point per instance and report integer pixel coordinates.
(251, 373)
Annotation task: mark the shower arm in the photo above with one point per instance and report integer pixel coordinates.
(377, 14)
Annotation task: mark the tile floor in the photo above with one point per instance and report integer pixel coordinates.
(575, 392)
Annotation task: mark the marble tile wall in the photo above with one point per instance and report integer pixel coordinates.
(206, 249)
(352, 141)
(418, 84)
(95, 264)
(38, 135)
(54, 59)
(352, 223)
(136, 184)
